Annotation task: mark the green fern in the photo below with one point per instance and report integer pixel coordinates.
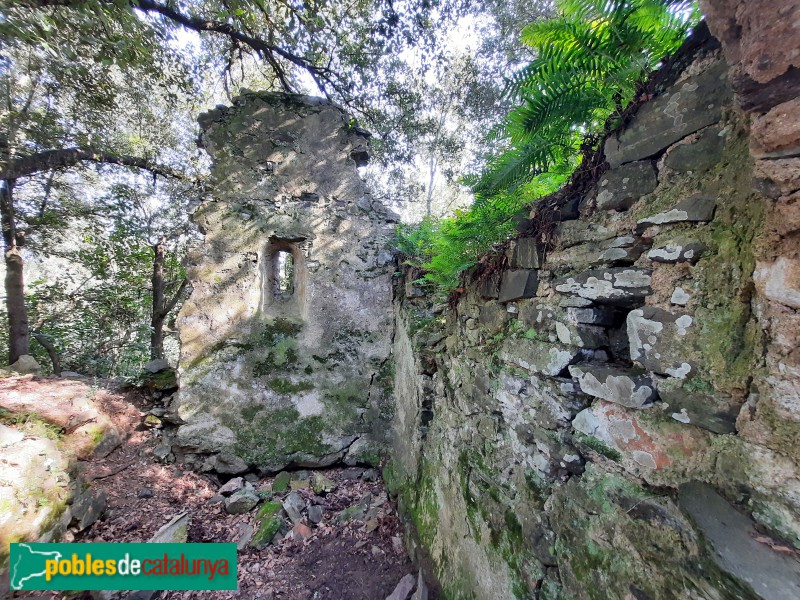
(588, 64)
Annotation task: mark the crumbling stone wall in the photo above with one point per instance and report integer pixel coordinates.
(301, 376)
(617, 415)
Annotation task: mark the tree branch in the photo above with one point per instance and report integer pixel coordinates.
(264, 49)
(67, 157)
(174, 300)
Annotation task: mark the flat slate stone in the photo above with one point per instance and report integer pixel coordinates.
(490, 288)
(601, 316)
(572, 233)
(699, 155)
(517, 284)
(688, 107)
(732, 537)
(710, 410)
(662, 341)
(615, 385)
(697, 208)
(677, 253)
(621, 187)
(526, 254)
(616, 286)
(176, 531)
(538, 357)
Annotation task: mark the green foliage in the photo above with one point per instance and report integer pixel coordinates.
(589, 62)
(446, 247)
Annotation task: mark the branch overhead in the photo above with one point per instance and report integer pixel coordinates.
(48, 160)
(265, 50)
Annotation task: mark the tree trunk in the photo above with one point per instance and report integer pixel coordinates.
(18, 330)
(161, 306)
(157, 314)
(47, 344)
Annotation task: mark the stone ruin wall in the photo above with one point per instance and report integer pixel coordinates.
(615, 417)
(619, 416)
(271, 379)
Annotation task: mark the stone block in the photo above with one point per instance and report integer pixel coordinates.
(570, 210)
(517, 284)
(582, 336)
(675, 253)
(697, 208)
(539, 315)
(25, 365)
(225, 463)
(621, 187)
(615, 385)
(699, 154)
(691, 105)
(490, 287)
(414, 290)
(662, 341)
(779, 281)
(655, 449)
(538, 357)
(736, 546)
(710, 410)
(241, 502)
(617, 286)
(526, 254)
(618, 251)
(572, 233)
(176, 531)
(492, 317)
(601, 316)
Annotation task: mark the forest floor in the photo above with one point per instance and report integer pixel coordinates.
(361, 558)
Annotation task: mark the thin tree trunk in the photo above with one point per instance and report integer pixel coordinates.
(161, 306)
(18, 330)
(47, 344)
(157, 315)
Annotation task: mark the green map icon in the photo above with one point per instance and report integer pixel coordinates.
(28, 564)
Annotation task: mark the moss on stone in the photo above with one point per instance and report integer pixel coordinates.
(267, 528)
(272, 436)
(163, 380)
(784, 433)
(269, 509)
(598, 446)
(284, 386)
(393, 477)
(31, 423)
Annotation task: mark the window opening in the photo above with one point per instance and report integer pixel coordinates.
(284, 273)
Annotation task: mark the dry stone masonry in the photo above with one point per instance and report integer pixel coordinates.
(609, 409)
(285, 340)
(616, 413)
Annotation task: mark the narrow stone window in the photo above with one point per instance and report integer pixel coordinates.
(284, 273)
(283, 291)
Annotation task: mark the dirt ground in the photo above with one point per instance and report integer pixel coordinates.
(340, 561)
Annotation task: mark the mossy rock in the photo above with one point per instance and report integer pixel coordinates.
(267, 529)
(163, 380)
(281, 483)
